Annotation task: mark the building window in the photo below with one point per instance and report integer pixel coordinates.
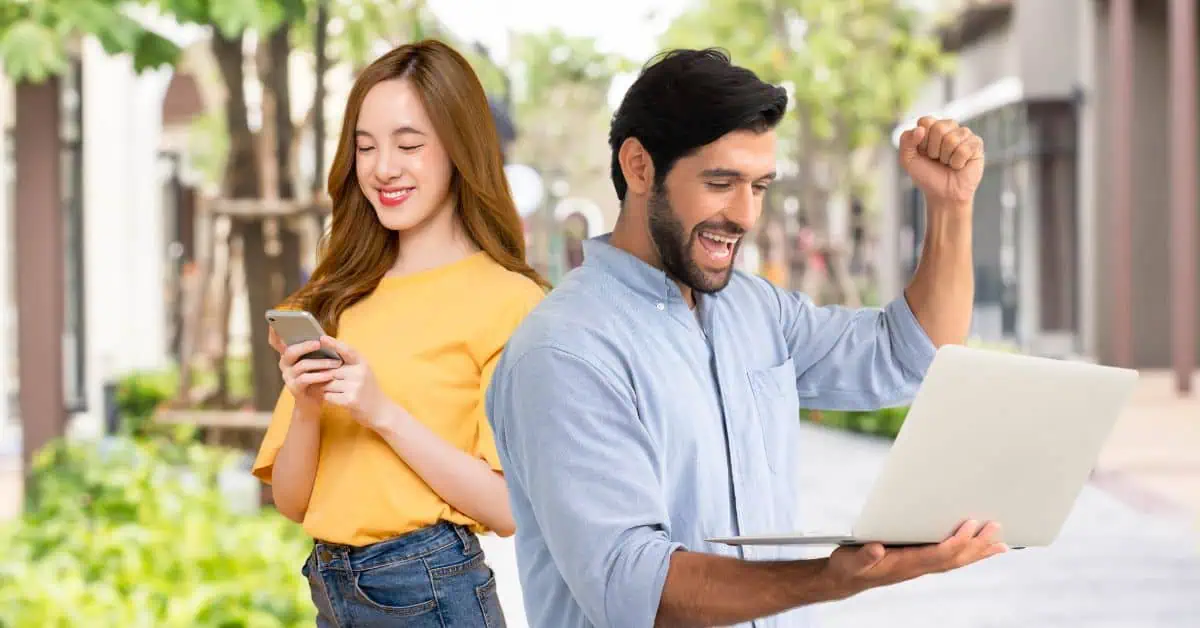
(71, 147)
(1053, 128)
(997, 222)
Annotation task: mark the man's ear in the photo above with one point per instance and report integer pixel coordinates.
(637, 166)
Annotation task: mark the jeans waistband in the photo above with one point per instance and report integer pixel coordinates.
(409, 546)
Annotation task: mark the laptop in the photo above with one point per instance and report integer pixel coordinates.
(990, 436)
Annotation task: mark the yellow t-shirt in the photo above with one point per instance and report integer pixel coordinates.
(432, 340)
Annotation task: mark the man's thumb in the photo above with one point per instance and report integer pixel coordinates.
(868, 555)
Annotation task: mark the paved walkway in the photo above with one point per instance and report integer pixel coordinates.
(1113, 566)
(1152, 459)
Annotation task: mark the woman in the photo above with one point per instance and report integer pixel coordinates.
(385, 456)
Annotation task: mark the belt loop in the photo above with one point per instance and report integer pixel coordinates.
(322, 555)
(469, 540)
(328, 555)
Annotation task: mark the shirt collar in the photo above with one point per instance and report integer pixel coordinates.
(644, 279)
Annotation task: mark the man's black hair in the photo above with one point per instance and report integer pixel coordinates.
(686, 99)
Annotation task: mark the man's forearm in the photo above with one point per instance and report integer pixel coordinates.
(708, 590)
(942, 291)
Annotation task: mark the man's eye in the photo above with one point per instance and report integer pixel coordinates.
(718, 185)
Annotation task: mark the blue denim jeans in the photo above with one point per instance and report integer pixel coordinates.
(435, 577)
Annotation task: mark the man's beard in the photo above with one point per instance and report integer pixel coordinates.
(674, 246)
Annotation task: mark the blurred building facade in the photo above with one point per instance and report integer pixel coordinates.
(1057, 271)
(85, 247)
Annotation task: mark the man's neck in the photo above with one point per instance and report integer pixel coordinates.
(632, 235)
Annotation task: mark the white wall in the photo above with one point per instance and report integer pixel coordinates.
(124, 249)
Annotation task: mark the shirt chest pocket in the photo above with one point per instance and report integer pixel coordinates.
(777, 407)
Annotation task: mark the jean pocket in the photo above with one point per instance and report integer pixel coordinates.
(401, 589)
(489, 603)
(467, 592)
(777, 405)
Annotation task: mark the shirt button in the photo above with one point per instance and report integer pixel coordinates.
(661, 306)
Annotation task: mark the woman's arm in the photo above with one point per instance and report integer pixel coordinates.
(466, 482)
(295, 467)
(291, 466)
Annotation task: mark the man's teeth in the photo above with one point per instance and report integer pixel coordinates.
(719, 238)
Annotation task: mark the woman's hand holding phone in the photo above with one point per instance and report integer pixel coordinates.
(305, 378)
(354, 387)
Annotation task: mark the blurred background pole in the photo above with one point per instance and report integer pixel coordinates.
(1182, 41)
(41, 274)
(1120, 23)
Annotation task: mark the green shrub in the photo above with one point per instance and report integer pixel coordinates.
(136, 533)
(885, 422)
(138, 395)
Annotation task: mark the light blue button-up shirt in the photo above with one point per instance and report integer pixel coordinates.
(630, 425)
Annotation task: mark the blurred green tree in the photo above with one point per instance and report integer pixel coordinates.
(851, 68)
(561, 86)
(35, 36)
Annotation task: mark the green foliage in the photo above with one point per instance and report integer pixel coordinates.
(138, 534)
(885, 422)
(208, 146)
(561, 85)
(852, 67)
(138, 395)
(552, 61)
(34, 36)
(357, 28)
(233, 17)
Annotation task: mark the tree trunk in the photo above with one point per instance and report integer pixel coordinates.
(278, 80)
(277, 77)
(243, 180)
(318, 106)
(264, 361)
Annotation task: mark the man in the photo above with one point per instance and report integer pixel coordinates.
(652, 400)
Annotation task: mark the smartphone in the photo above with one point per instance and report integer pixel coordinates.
(297, 326)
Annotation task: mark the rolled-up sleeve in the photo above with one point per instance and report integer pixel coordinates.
(854, 359)
(571, 438)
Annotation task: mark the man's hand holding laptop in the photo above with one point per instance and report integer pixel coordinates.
(855, 569)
